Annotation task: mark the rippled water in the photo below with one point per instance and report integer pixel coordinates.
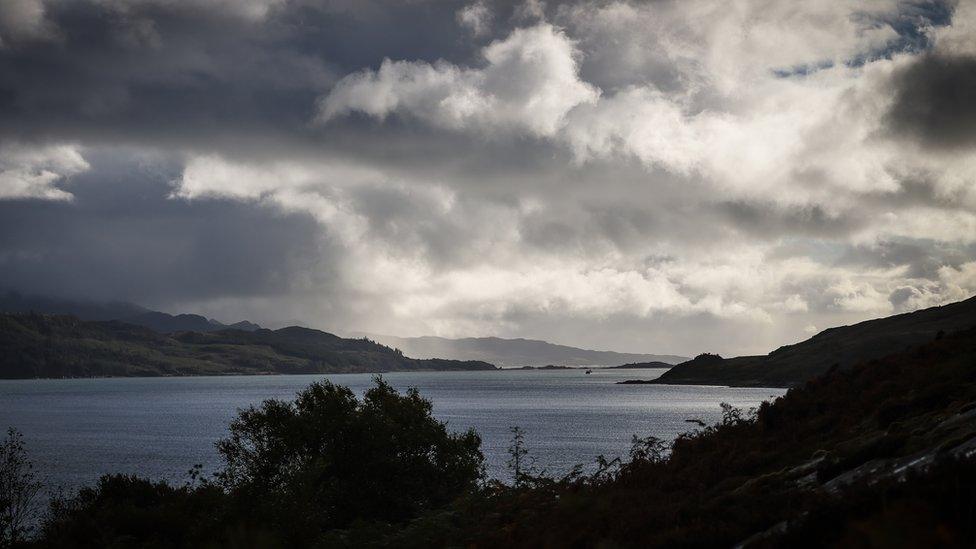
(79, 429)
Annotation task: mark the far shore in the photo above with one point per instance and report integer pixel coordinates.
(547, 368)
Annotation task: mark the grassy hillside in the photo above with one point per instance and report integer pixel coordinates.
(34, 345)
(842, 346)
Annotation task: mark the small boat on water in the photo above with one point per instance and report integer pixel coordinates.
(589, 371)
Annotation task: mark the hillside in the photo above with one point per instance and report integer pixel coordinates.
(33, 345)
(842, 346)
(513, 353)
(167, 323)
(642, 365)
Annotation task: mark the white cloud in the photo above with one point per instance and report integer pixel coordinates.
(960, 282)
(24, 20)
(253, 10)
(33, 172)
(729, 118)
(528, 84)
(475, 17)
(706, 89)
(960, 37)
(387, 266)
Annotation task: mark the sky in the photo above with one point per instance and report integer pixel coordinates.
(662, 176)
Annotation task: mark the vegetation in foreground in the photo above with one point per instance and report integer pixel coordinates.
(33, 345)
(880, 455)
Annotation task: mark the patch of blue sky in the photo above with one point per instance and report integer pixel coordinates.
(912, 25)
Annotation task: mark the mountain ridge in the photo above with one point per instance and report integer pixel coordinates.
(842, 346)
(516, 352)
(124, 311)
(35, 345)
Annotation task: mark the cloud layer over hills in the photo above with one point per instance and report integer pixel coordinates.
(660, 176)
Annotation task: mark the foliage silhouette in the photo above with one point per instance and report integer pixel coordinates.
(18, 490)
(328, 459)
(518, 455)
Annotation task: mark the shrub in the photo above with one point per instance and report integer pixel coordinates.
(18, 490)
(329, 459)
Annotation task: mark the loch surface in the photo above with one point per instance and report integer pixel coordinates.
(79, 429)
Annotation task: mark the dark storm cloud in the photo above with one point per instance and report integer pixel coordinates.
(695, 200)
(184, 73)
(123, 238)
(774, 221)
(421, 223)
(594, 229)
(923, 258)
(934, 101)
(919, 190)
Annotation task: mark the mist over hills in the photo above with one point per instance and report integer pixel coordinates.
(13, 302)
(842, 346)
(514, 353)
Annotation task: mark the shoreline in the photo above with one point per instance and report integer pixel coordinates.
(274, 374)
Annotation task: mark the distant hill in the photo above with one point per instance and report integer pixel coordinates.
(13, 302)
(166, 323)
(243, 325)
(514, 353)
(843, 346)
(35, 345)
(640, 365)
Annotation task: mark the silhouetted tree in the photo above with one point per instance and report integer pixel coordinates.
(648, 449)
(518, 454)
(18, 490)
(328, 458)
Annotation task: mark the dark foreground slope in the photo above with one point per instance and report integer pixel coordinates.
(882, 454)
(879, 455)
(62, 346)
(842, 346)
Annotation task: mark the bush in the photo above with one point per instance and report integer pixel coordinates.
(328, 459)
(18, 490)
(126, 511)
